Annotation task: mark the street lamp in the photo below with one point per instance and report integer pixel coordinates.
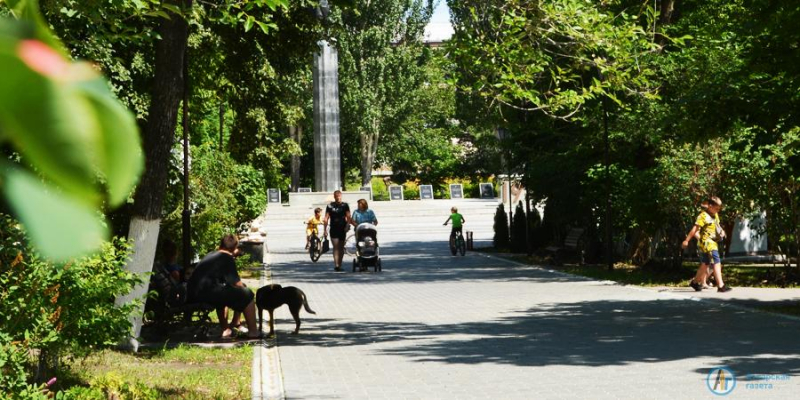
(502, 134)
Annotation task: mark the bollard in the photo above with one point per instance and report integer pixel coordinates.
(469, 240)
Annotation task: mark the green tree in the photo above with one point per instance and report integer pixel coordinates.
(380, 53)
(500, 239)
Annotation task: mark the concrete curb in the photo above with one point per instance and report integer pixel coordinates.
(267, 375)
(676, 296)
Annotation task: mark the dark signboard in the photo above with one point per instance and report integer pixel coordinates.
(456, 191)
(487, 191)
(395, 193)
(274, 195)
(425, 192)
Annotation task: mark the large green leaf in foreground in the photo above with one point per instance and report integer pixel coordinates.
(62, 118)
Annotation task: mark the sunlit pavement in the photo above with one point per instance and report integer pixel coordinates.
(436, 326)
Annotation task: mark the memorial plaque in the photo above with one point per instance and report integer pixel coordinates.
(487, 191)
(367, 189)
(395, 193)
(274, 195)
(456, 191)
(304, 190)
(426, 192)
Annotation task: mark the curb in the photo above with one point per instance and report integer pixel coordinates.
(676, 296)
(267, 376)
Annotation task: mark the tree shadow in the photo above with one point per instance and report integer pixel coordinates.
(411, 262)
(593, 333)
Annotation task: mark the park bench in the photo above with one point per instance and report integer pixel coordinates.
(572, 244)
(169, 306)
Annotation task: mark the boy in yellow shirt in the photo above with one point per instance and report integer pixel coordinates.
(311, 225)
(708, 225)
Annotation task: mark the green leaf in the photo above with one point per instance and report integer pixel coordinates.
(61, 226)
(49, 124)
(121, 158)
(267, 26)
(248, 23)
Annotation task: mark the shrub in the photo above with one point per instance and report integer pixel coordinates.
(538, 235)
(51, 310)
(519, 235)
(500, 228)
(110, 386)
(379, 190)
(411, 190)
(223, 195)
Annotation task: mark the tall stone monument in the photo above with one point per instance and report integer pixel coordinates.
(327, 163)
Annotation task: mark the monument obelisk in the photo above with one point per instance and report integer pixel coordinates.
(327, 163)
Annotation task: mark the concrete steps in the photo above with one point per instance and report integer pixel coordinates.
(396, 219)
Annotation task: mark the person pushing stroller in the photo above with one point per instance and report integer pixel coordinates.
(367, 253)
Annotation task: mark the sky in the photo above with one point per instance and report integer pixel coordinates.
(439, 28)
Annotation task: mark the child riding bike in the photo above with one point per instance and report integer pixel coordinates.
(458, 223)
(312, 224)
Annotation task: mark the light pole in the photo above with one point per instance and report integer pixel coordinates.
(502, 134)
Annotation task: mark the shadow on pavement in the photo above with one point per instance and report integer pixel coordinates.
(412, 262)
(595, 333)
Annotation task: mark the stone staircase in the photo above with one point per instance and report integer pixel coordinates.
(397, 220)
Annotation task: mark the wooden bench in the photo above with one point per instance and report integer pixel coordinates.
(170, 304)
(571, 245)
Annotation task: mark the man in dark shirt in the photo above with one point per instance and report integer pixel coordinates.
(216, 282)
(337, 214)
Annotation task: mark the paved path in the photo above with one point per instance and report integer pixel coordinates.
(432, 326)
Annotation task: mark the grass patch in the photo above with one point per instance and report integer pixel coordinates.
(184, 372)
(656, 275)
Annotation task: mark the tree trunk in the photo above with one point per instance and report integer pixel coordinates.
(296, 133)
(369, 149)
(667, 7)
(158, 139)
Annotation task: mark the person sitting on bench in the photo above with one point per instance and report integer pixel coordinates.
(216, 282)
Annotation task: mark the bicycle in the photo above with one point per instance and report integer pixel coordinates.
(350, 244)
(457, 244)
(314, 246)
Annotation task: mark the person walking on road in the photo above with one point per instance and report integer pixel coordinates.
(711, 234)
(337, 215)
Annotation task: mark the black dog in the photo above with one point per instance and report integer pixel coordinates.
(271, 297)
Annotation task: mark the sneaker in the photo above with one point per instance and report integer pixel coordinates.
(696, 286)
(724, 289)
(337, 269)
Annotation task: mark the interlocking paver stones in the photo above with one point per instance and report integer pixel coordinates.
(435, 326)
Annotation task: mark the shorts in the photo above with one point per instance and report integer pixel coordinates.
(706, 258)
(234, 297)
(309, 231)
(454, 230)
(338, 232)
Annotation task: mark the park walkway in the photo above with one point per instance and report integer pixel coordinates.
(433, 326)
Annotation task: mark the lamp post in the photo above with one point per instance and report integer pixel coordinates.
(502, 134)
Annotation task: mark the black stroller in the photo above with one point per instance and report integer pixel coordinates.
(367, 250)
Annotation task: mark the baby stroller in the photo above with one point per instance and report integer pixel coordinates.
(367, 251)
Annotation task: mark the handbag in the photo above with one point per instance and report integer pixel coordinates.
(326, 246)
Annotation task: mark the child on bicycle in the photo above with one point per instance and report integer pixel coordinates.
(312, 224)
(458, 222)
